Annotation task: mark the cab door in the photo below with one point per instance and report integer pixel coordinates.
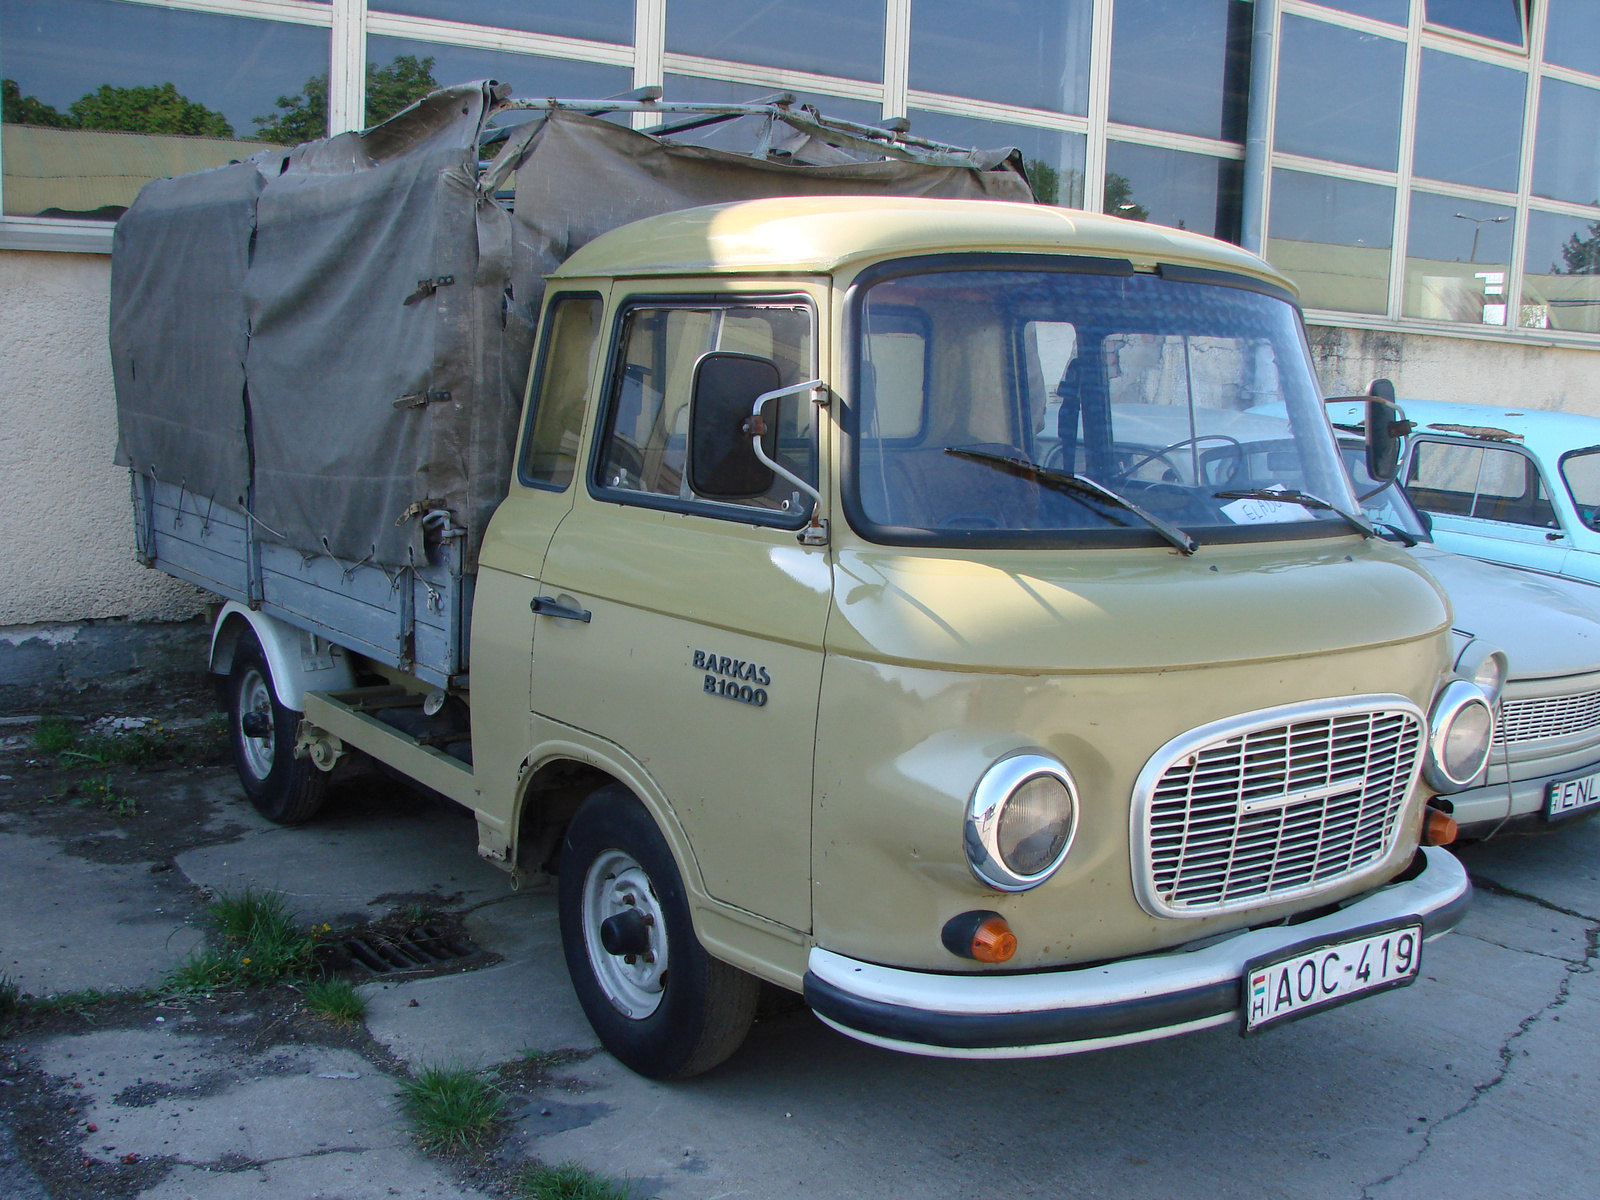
(514, 546)
(1487, 501)
(686, 631)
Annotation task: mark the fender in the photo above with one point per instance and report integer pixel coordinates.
(299, 661)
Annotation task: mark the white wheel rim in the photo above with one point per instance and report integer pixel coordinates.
(255, 697)
(615, 884)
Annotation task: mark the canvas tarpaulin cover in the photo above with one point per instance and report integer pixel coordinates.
(336, 338)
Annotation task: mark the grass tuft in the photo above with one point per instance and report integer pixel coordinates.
(258, 943)
(538, 1181)
(335, 999)
(453, 1108)
(54, 734)
(10, 999)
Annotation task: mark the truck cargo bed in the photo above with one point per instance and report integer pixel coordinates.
(412, 618)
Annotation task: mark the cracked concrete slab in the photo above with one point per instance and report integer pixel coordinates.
(351, 868)
(257, 1123)
(1560, 868)
(495, 1015)
(72, 924)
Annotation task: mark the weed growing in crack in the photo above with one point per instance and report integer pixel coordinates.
(538, 1181)
(335, 999)
(124, 747)
(258, 943)
(54, 734)
(453, 1108)
(102, 793)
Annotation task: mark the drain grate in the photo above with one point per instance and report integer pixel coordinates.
(420, 948)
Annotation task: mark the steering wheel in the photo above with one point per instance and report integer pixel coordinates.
(1236, 456)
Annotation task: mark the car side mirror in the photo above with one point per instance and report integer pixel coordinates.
(1386, 426)
(723, 464)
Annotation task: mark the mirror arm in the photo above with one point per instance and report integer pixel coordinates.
(757, 426)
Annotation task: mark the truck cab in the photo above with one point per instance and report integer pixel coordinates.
(883, 609)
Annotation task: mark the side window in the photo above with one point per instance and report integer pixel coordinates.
(1487, 482)
(555, 419)
(1582, 473)
(646, 435)
(1443, 477)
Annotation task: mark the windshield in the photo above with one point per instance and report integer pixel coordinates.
(975, 387)
(1384, 504)
(1581, 470)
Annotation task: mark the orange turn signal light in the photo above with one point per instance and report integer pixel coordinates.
(982, 935)
(1438, 828)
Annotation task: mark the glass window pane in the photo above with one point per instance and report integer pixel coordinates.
(1566, 156)
(556, 418)
(1396, 12)
(597, 20)
(1332, 237)
(1339, 94)
(1511, 490)
(1500, 20)
(1009, 51)
(1444, 477)
(100, 98)
(740, 135)
(1171, 187)
(1561, 283)
(400, 70)
(830, 37)
(1458, 258)
(1054, 160)
(646, 438)
(1572, 34)
(1582, 473)
(1181, 65)
(1469, 121)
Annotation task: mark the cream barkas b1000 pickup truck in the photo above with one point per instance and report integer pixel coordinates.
(994, 738)
(844, 627)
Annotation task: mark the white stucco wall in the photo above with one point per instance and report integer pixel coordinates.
(66, 529)
(1462, 370)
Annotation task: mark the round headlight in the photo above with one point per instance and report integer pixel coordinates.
(1485, 666)
(1020, 822)
(1460, 736)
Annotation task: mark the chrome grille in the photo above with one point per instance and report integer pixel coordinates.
(1272, 810)
(1549, 716)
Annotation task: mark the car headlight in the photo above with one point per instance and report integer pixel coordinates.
(1020, 822)
(1485, 666)
(1460, 736)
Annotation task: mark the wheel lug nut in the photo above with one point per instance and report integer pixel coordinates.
(630, 959)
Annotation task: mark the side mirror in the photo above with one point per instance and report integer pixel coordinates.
(722, 460)
(1386, 425)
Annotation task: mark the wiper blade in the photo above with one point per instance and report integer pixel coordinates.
(1304, 500)
(1078, 485)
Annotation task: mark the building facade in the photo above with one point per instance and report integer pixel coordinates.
(1428, 171)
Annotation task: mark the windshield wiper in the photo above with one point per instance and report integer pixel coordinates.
(1077, 485)
(1304, 500)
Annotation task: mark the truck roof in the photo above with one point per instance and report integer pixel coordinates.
(821, 234)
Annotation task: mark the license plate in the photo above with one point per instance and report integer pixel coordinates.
(1309, 978)
(1572, 795)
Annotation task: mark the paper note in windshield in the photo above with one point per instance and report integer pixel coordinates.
(1265, 512)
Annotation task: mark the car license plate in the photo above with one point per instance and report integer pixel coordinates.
(1312, 977)
(1570, 796)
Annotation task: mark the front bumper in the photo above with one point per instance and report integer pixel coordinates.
(1480, 811)
(1042, 1013)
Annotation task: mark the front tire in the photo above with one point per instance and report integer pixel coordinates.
(659, 1003)
(284, 789)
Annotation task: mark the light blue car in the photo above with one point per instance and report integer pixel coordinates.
(1513, 486)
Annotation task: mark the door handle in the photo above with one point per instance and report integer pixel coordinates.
(549, 606)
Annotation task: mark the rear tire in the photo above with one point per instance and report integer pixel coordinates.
(262, 733)
(668, 1010)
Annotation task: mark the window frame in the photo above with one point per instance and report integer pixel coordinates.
(722, 510)
(1530, 463)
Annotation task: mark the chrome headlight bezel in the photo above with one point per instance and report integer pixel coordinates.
(1485, 667)
(1456, 697)
(995, 788)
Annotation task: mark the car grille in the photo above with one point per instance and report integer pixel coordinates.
(1277, 810)
(1549, 716)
